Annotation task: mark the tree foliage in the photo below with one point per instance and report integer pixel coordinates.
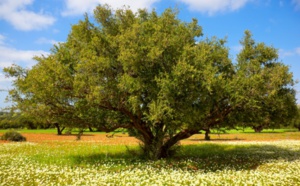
(267, 95)
(153, 75)
(296, 120)
(17, 120)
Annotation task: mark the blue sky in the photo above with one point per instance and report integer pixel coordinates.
(31, 27)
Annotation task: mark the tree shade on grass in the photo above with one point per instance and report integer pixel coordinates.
(154, 75)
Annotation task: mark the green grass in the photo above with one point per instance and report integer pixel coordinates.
(87, 163)
(83, 153)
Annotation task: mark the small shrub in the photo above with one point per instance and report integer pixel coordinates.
(13, 136)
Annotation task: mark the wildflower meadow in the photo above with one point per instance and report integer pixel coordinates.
(206, 163)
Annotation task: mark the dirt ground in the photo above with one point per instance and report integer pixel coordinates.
(119, 139)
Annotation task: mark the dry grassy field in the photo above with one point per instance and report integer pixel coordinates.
(124, 139)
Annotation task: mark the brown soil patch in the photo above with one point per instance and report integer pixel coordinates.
(104, 139)
(248, 137)
(124, 139)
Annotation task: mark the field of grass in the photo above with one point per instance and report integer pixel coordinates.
(101, 161)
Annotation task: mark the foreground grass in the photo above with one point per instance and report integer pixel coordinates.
(88, 163)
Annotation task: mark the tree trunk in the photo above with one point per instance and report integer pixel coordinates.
(207, 137)
(91, 130)
(59, 130)
(159, 148)
(258, 129)
(80, 133)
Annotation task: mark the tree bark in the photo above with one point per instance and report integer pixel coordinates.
(160, 148)
(258, 129)
(207, 137)
(59, 130)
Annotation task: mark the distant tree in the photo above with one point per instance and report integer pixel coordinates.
(151, 74)
(6, 121)
(265, 86)
(296, 120)
(11, 120)
(45, 91)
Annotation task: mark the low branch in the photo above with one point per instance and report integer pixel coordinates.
(179, 136)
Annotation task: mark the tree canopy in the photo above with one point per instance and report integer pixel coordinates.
(153, 74)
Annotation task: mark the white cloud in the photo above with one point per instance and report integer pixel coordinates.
(3, 78)
(14, 12)
(297, 50)
(212, 7)
(297, 4)
(9, 56)
(5, 82)
(2, 38)
(5, 86)
(43, 40)
(78, 7)
(237, 48)
(288, 53)
(283, 53)
(55, 31)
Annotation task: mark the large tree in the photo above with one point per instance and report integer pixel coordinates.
(265, 86)
(151, 74)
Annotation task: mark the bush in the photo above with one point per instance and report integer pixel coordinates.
(5, 124)
(13, 136)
